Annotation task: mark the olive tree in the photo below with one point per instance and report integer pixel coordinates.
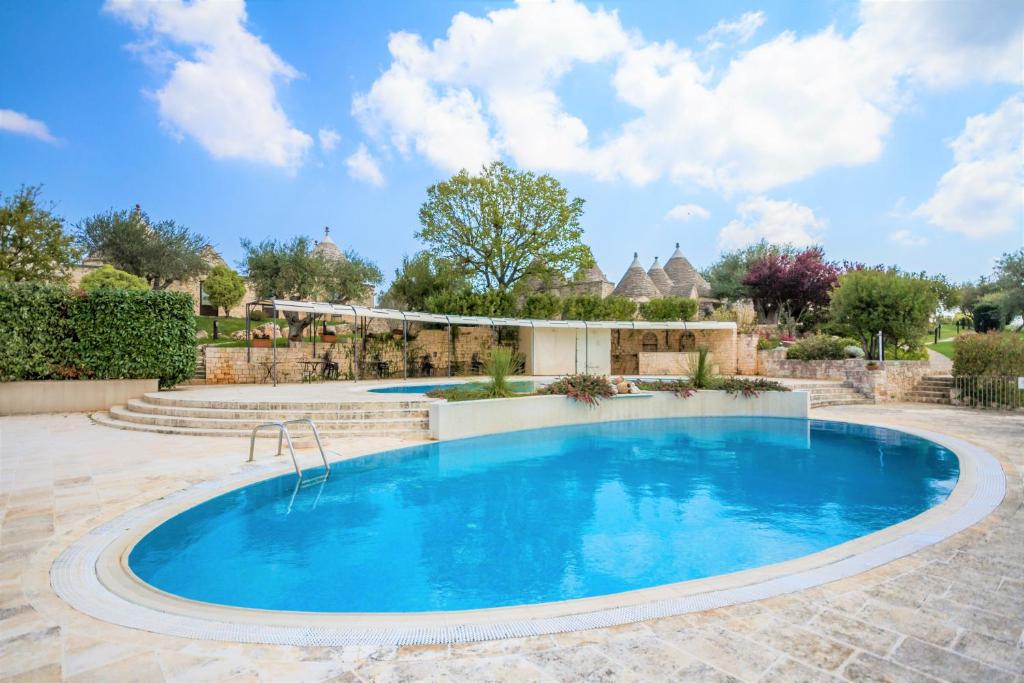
(292, 270)
(224, 288)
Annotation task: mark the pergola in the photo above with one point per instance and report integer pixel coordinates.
(317, 308)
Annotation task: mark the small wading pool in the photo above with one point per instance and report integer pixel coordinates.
(545, 515)
(520, 387)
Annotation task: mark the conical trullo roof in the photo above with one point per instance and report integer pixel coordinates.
(660, 278)
(327, 246)
(684, 276)
(594, 274)
(636, 284)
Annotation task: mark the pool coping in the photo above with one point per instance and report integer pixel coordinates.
(91, 574)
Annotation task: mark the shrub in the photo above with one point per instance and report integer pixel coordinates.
(499, 366)
(702, 374)
(987, 317)
(591, 307)
(541, 306)
(767, 343)
(818, 347)
(109, 277)
(669, 308)
(257, 315)
(989, 354)
(39, 337)
(588, 389)
(684, 388)
(106, 334)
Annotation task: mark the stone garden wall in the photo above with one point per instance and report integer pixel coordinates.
(627, 345)
(890, 380)
(382, 355)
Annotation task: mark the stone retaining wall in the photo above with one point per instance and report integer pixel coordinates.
(890, 380)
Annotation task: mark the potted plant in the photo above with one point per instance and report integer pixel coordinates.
(329, 334)
(263, 336)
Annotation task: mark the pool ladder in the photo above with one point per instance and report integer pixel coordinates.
(282, 435)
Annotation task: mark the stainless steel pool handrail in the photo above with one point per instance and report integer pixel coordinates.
(282, 434)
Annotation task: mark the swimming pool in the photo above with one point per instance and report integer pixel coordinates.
(521, 387)
(544, 515)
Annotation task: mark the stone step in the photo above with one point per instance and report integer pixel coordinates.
(859, 400)
(106, 420)
(946, 382)
(178, 399)
(366, 411)
(360, 425)
(929, 392)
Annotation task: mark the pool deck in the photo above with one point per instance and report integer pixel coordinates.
(952, 611)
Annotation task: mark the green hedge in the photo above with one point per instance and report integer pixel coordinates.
(993, 353)
(107, 334)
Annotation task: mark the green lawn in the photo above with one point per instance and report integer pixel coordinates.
(228, 326)
(947, 348)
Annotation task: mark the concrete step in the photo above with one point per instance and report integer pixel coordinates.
(108, 421)
(123, 414)
(367, 410)
(850, 401)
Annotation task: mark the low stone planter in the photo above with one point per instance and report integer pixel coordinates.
(474, 418)
(261, 343)
(70, 396)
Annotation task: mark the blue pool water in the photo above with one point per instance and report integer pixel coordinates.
(548, 514)
(522, 387)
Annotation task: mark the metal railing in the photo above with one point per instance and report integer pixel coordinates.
(992, 392)
(283, 434)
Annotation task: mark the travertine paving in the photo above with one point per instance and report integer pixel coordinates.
(952, 612)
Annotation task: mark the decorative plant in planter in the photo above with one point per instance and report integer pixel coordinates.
(329, 334)
(587, 389)
(263, 336)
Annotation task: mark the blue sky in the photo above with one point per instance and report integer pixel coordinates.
(886, 132)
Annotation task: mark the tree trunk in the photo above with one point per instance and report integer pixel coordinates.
(297, 324)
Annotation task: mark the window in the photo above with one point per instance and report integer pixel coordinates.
(649, 342)
(687, 341)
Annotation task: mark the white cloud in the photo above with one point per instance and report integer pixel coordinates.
(778, 112)
(363, 166)
(21, 124)
(780, 222)
(907, 239)
(983, 194)
(686, 212)
(329, 139)
(224, 94)
(739, 31)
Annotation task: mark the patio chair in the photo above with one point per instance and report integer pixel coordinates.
(475, 364)
(330, 366)
(427, 366)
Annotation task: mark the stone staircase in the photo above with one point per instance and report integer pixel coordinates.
(932, 389)
(833, 394)
(172, 414)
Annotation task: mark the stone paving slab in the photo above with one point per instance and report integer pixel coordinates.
(949, 612)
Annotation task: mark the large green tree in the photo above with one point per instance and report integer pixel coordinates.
(503, 225)
(33, 244)
(868, 301)
(162, 252)
(292, 270)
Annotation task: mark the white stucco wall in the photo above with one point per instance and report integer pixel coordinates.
(560, 351)
(473, 418)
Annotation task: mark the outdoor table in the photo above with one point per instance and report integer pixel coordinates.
(310, 369)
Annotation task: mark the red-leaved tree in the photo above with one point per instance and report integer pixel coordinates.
(791, 283)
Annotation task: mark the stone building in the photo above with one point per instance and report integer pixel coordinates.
(636, 284)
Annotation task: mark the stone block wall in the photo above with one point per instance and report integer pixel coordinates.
(231, 365)
(883, 382)
(628, 344)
